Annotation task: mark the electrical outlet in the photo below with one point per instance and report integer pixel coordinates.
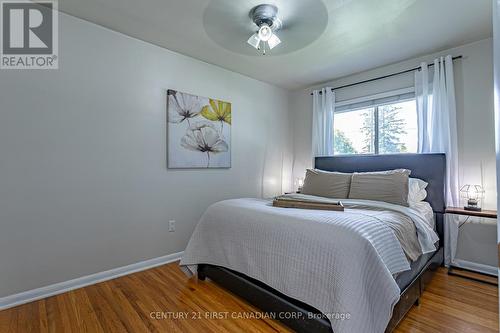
(171, 226)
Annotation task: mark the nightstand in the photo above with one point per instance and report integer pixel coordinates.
(466, 273)
(492, 214)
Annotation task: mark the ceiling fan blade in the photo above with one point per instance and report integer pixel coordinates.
(273, 41)
(254, 40)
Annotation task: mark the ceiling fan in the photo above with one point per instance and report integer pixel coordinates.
(283, 28)
(266, 18)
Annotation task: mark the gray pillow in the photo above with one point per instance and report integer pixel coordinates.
(327, 184)
(388, 186)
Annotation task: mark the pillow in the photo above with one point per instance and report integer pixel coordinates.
(389, 186)
(327, 184)
(416, 190)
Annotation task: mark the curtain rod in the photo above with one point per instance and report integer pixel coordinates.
(388, 75)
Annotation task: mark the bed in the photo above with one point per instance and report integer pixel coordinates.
(298, 312)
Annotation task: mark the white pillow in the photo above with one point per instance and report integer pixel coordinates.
(416, 190)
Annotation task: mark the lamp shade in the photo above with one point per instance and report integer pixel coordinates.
(474, 192)
(265, 32)
(254, 40)
(273, 41)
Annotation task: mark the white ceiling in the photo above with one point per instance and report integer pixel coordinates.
(359, 34)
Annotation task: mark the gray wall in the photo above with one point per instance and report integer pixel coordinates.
(83, 180)
(474, 93)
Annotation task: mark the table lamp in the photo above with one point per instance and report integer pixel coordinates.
(473, 193)
(299, 182)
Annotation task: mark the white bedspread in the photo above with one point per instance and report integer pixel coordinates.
(338, 262)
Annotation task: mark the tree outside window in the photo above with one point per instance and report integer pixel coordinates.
(383, 129)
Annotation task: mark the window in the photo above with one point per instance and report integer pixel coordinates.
(376, 126)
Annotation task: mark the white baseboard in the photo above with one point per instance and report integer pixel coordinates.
(474, 266)
(61, 287)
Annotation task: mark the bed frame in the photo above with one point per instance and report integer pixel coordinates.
(304, 318)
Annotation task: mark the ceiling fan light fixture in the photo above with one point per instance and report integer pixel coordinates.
(266, 18)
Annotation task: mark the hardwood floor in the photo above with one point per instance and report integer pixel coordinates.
(453, 304)
(163, 299)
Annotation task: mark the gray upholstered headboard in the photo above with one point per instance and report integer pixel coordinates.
(428, 167)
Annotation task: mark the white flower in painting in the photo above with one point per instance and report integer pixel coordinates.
(183, 106)
(204, 138)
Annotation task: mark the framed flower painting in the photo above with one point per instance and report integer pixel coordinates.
(198, 131)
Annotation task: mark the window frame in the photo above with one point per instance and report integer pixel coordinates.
(366, 99)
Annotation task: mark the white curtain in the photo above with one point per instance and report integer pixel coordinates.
(437, 133)
(322, 127)
(437, 119)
